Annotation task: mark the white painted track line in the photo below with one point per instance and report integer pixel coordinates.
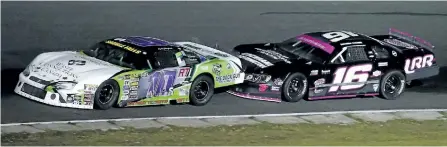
(231, 116)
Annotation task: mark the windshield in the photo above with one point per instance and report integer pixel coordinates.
(118, 56)
(304, 50)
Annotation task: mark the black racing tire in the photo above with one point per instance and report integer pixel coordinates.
(392, 85)
(106, 95)
(201, 91)
(290, 92)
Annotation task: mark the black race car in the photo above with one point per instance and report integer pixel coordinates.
(334, 64)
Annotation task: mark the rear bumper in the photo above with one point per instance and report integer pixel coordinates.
(35, 91)
(423, 73)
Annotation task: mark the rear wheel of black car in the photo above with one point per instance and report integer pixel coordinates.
(295, 87)
(392, 85)
(201, 91)
(106, 95)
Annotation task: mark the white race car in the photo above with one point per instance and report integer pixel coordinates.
(129, 71)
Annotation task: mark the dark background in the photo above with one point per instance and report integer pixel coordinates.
(30, 28)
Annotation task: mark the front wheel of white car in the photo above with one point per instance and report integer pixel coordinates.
(106, 95)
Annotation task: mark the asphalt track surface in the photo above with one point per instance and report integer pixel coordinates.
(30, 28)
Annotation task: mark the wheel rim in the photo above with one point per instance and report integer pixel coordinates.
(106, 94)
(295, 87)
(201, 90)
(393, 85)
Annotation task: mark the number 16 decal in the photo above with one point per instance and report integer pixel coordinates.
(349, 74)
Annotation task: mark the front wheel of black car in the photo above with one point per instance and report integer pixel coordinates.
(295, 87)
(106, 95)
(201, 91)
(392, 85)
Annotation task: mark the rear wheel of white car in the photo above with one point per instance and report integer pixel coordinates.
(106, 95)
(295, 87)
(392, 85)
(202, 89)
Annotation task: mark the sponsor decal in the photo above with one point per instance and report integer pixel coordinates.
(134, 88)
(123, 46)
(181, 100)
(397, 42)
(383, 64)
(216, 69)
(134, 84)
(317, 43)
(90, 88)
(275, 88)
(317, 83)
(255, 60)
(263, 87)
(394, 53)
(227, 78)
(278, 81)
(126, 82)
(220, 54)
(58, 70)
(158, 83)
(76, 62)
(418, 62)
(133, 92)
(376, 73)
(351, 43)
(127, 77)
(314, 72)
(90, 60)
(164, 48)
(184, 72)
(88, 98)
(375, 87)
(126, 87)
(77, 100)
(274, 55)
(126, 92)
(325, 72)
(228, 66)
(183, 91)
(125, 97)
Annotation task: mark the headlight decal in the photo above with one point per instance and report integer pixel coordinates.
(65, 85)
(258, 78)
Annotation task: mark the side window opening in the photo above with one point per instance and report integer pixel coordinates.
(355, 54)
(351, 54)
(380, 52)
(165, 59)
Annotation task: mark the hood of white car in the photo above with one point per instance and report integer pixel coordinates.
(70, 66)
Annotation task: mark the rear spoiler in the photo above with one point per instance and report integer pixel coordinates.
(410, 38)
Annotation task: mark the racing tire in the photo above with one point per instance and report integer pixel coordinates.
(106, 95)
(201, 91)
(295, 87)
(392, 85)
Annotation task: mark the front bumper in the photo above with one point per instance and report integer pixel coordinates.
(264, 92)
(35, 91)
